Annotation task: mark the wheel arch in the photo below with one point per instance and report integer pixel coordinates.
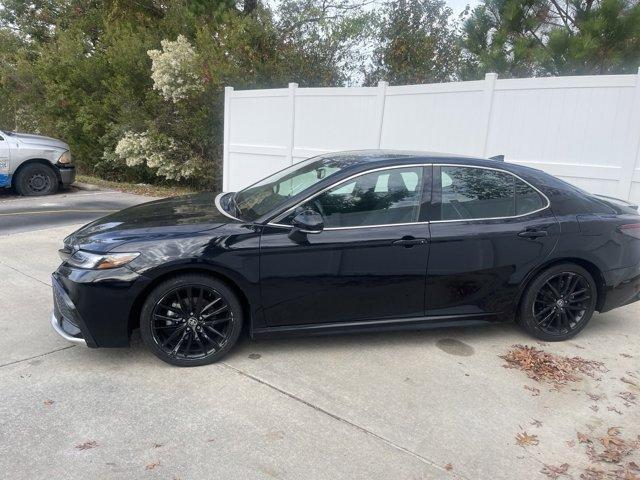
(136, 309)
(31, 161)
(589, 266)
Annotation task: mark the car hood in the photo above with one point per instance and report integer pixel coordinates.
(39, 141)
(155, 220)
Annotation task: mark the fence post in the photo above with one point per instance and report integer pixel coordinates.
(487, 106)
(292, 121)
(382, 97)
(632, 154)
(226, 178)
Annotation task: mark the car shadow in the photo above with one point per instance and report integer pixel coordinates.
(457, 341)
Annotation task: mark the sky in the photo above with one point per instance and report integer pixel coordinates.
(458, 5)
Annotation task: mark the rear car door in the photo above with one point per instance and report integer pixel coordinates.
(369, 262)
(489, 229)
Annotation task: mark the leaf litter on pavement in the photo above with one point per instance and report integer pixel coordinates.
(609, 456)
(542, 366)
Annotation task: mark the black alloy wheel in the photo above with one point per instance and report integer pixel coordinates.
(559, 302)
(36, 179)
(191, 320)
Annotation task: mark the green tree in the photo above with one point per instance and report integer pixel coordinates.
(546, 37)
(81, 70)
(417, 43)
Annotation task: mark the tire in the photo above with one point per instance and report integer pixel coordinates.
(184, 308)
(558, 303)
(36, 179)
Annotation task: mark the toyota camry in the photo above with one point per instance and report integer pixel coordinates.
(353, 241)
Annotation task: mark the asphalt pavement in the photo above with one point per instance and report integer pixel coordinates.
(435, 404)
(71, 206)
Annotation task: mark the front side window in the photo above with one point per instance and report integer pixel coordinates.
(383, 197)
(468, 193)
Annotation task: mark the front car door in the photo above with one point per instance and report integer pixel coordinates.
(489, 229)
(369, 262)
(5, 179)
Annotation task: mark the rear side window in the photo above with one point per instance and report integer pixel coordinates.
(468, 193)
(527, 198)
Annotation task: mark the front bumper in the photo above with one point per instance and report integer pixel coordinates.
(67, 175)
(97, 306)
(65, 319)
(57, 326)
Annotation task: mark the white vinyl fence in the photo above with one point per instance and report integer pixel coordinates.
(585, 130)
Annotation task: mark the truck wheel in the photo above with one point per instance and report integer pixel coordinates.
(36, 179)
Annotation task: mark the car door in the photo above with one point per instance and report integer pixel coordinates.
(489, 229)
(5, 180)
(368, 263)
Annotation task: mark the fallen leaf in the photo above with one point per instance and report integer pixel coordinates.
(570, 443)
(594, 397)
(151, 466)
(583, 438)
(158, 445)
(448, 467)
(593, 473)
(626, 355)
(629, 382)
(48, 402)
(595, 408)
(87, 445)
(611, 456)
(524, 439)
(536, 423)
(611, 408)
(553, 471)
(534, 391)
(613, 431)
(628, 397)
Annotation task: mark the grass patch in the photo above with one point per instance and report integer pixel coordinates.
(137, 188)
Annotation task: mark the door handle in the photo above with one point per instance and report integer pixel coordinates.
(410, 241)
(533, 233)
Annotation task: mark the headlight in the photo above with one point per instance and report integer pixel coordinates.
(100, 261)
(65, 158)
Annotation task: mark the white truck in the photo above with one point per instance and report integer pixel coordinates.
(34, 164)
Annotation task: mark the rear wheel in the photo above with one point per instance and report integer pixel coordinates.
(558, 303)
(36, 179)
(191, 320)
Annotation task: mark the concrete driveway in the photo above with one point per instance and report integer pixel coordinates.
(408, 405)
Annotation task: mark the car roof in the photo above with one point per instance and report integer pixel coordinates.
(357, 159)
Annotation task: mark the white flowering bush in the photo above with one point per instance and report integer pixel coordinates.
(158, 152)
(174, 70)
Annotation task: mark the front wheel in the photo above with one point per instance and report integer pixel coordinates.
(36, 179)
(558, 303)
(191, 320)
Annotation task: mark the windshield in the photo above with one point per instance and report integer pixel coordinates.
(274, 191)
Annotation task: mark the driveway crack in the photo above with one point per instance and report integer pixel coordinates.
(25, 274)
(366, 431)
(37, 356)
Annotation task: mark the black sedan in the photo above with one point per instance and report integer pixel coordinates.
(350, 241)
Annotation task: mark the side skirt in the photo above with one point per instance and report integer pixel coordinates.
(413, 323)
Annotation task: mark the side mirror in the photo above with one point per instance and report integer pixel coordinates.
(307, 222)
